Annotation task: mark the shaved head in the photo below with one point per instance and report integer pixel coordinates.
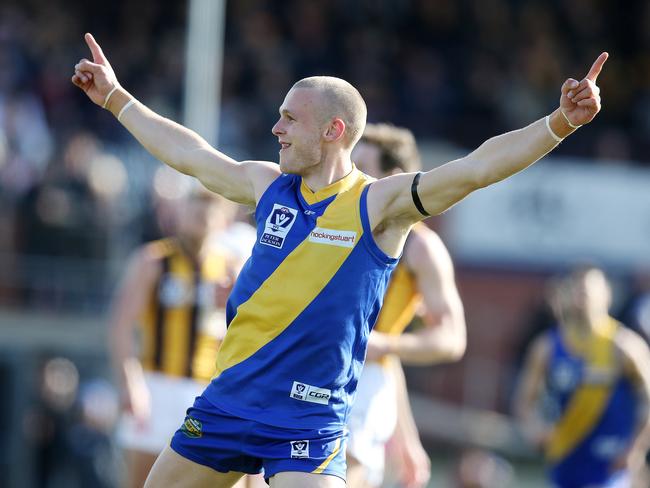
(340, 100)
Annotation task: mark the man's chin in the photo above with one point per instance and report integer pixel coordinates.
(288, 168)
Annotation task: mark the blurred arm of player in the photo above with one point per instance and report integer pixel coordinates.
(130, 299)
(405, 445)
(171, 143)
(534, 429)
(390, 202)
(444, 336)
(635, 354)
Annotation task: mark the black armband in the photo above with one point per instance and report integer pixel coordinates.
(416, 198)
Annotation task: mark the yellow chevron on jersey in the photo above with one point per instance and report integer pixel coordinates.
(585, 408)
(284, 295)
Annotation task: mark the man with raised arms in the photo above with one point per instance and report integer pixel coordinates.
(302, 308)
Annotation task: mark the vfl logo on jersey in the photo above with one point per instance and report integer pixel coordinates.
(342, 238)
(308, 393)
(192, 428)
(299, 449)
(278, 225)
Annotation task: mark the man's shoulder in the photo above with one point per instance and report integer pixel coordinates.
(158, 249)
(542, 345)
(149, 257)
(628, 341)
(424, 243)
(421, 232)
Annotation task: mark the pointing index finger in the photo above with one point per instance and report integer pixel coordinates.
(98, 55)
(597, 67)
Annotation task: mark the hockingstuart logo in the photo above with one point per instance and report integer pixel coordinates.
(333, 237)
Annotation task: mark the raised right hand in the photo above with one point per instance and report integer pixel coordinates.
(96, 78)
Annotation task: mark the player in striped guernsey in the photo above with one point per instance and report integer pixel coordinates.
(423, 281)
(175, 289)
(303, 306)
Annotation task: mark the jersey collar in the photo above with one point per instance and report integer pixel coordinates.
(345, 183)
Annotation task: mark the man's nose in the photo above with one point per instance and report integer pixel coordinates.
(277, 128)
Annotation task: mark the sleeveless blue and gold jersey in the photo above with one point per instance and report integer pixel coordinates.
(302, 308)
(594, 408)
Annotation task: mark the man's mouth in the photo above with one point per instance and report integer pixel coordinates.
(284, 145)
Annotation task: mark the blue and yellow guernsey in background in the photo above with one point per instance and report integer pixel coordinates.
(303, 306)
(594, 406)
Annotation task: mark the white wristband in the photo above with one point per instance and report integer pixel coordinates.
(568, 121)
(550, 131)
(125, 108)
(108, 97)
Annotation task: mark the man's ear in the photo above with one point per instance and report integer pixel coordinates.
(335, 130)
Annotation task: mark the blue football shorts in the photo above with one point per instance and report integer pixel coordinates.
(214, 438)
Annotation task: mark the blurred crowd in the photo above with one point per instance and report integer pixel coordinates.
(73, 185)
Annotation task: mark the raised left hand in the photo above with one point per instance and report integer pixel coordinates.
(580, 101)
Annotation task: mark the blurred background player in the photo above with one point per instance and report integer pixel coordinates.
(595, 373)
(422, 283)
(175, 288)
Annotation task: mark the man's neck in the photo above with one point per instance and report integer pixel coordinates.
(191, 247)
(589, 323)
(327, 172)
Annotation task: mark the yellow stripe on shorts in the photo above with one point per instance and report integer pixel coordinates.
(325, 463)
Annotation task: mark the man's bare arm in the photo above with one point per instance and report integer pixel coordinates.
(444, 336)
(636, 362)
(529, 389)
(416, 465)
(390, 199)
(172, 143)
(129, 301)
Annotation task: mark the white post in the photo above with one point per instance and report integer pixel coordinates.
(204, 57)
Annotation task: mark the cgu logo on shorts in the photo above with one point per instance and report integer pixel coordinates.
(278, 225)
(308, 393)
(192, 428)
(333, 237)
(299, 449)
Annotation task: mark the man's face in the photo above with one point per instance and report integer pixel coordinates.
(585, 295)
(197, 217)
(366, 158)
(591, 292)
(300, 131)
